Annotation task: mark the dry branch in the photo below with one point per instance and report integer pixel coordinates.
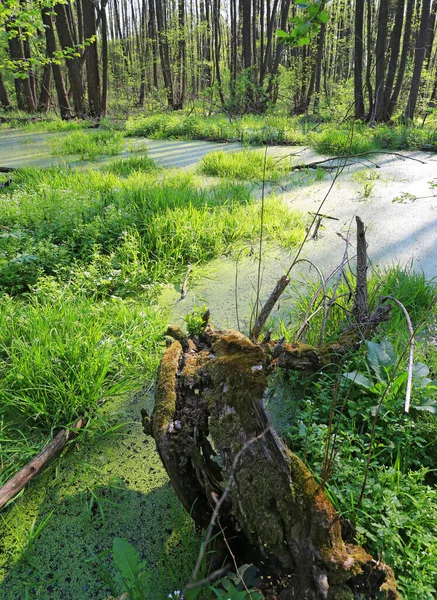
(268, 306)
(184, 285)
(28, 472)
(322, 163)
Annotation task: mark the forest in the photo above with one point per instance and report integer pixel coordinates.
(218, 300)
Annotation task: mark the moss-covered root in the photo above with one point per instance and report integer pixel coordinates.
(209, 404)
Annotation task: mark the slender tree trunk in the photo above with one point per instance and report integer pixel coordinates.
(91, 58)
(378, 110)
(164, 53)
(369, 56)
(44, 95)
(419, 57)
(64, 104)
(403, 60)
(217, 47)
(395, 44)
(23, 88)
(4, 96)
(319, 61)
(105, 61)
(358, 60)
(73, 64)
(285, 9)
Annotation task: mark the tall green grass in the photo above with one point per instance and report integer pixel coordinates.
(61, 355)
(120, 234)
(280, 129)
(89, 145)
(247, 165)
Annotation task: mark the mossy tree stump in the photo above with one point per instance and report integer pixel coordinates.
(209, 405)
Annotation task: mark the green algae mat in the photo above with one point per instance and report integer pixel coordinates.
(56, 539)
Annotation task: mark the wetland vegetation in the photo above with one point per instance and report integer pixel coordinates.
(91, 237)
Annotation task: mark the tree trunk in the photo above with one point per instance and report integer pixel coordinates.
(381, 40)
(164, 53)
(91, 58)
(105, 62)
(73, 64)
(209, 410)
(419, 57)
(358, 60)
(4, 96)
(64, 104)
(395, 44)
(44, 95)
(403, 60)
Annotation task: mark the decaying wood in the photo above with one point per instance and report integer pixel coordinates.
(8, 169)
(208, 406)
(268, 306)
(184, 285)
(28, 472)
(361, 306)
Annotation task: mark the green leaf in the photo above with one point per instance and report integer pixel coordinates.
(281, 34)
(359, 379)
(381, 358)
(428, 406)
(323, 16)
(303, 41)
(126, 560)
(420, 370)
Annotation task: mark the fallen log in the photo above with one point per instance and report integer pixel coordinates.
(14, 485)
(208, 406)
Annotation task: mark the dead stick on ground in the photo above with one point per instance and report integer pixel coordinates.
(184, 285)
(28, 472)
(8, 169)
(361, 308)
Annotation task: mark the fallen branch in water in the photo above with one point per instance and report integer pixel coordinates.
(8, 169)
(14, 485)
(184, 285)
(321, 163)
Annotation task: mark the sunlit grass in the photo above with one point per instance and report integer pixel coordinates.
(89, 145)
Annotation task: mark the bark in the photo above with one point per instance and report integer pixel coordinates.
(63, 102)
(164, 52)
(209, 405)
(4, 96)
(395, 44)
(73, 64)
(419, 57)
(23, 88)
(403, 60)
(378, 110)
(44, 96)
(217, 47)
(358, 60)
(105, 62)
(91, 58)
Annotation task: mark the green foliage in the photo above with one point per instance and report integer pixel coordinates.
(245, 165)
(238, 586)
(124, 167)
(305, 25)
(90, 145)
(397, 520)
(61, 355)
(120, 235)
(194, 320)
